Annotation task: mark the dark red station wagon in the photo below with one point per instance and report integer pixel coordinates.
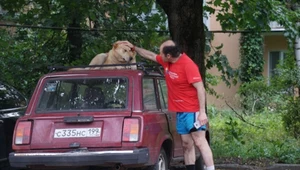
(99, 119)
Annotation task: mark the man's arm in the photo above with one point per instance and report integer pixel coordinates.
(146, 53)
(142, 52)
(201, 98)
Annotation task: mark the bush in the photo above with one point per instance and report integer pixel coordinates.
(261, 137)
(257, 96)
(291, 118)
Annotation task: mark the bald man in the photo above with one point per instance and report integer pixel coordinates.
(186, 96)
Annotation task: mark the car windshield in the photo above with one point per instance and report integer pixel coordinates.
(10, 98)
(83, 94)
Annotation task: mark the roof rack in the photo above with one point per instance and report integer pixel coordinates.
(147, 68)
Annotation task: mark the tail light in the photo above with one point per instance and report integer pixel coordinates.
(22, 135)
(131, 130)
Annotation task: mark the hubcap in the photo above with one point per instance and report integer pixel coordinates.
(161, 162)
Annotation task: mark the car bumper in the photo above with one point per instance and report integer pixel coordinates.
(80, 158)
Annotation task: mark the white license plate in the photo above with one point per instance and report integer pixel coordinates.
(77, 133)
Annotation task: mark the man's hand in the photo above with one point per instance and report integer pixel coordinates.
(202, 118)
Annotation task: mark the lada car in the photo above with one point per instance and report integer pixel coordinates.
(99, 119)
(12, 106)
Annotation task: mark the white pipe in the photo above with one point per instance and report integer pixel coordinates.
(297, 50)
(297, 47)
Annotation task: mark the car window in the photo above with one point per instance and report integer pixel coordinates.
(163, 95)
(11, 98)
(83, 94)
(149, 99)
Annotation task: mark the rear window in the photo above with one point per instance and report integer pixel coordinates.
(83, 94)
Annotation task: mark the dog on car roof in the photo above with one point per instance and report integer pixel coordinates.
(120, 54)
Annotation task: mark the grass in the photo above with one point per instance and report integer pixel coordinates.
(262, 138)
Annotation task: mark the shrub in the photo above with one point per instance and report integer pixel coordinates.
(291, 118)
(262, 138)
(256, 96)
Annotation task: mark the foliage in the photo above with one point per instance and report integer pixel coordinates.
(255, 15)
(31, 50)
(233, 138)
(215, 58)
(252, 60)
(258, 96)
(281, 95)
(287, 75)
(291, 117)
(73, 32)
(26, 55)
(211, 80)
(287, 80)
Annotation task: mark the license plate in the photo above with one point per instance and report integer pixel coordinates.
(77, 133)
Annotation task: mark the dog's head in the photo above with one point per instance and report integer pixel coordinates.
(124, 53)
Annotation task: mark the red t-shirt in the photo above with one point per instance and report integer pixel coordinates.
(180, 76)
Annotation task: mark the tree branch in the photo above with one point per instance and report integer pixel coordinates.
(242, 118)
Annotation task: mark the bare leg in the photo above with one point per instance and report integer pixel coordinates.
(188, 149)
(203, 146)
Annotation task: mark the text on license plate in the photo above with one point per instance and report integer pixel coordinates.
(77, 133)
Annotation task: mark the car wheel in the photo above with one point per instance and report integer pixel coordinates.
(162, 162)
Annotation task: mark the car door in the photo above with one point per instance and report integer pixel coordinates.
(163, 97)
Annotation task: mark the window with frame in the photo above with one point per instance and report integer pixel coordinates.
(275, 58)
(149, 99)
(83, 94)
(163, 95)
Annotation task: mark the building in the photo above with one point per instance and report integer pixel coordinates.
(275, 45)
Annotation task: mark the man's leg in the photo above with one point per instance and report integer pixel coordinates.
(188, 151)
(203, 146)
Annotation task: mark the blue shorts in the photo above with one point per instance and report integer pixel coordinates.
(185, 122)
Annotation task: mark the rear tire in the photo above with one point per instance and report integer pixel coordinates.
(162, 162)
(199, 163)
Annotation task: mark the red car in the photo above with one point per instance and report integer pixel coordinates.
(98, 119)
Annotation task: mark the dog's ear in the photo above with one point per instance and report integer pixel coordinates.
(115, 45)
(134, 53)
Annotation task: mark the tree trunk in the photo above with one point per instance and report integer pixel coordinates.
(185, 18)
(75, 41)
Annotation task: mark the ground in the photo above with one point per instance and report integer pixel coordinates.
(240, 161)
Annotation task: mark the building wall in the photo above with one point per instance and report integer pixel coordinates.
(274, 41)
(231, 50)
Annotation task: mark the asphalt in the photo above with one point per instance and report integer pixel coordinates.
(249, 167)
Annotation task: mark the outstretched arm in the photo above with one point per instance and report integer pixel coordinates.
(146, 53)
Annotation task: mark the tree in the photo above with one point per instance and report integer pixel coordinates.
(186, 27)
(68, 32)
(186, 21)
(90, 26)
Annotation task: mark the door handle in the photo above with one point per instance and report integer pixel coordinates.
(169, 117)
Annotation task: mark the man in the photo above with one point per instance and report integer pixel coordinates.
(186, 96)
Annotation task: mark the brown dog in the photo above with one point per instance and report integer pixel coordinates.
(120, 54)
